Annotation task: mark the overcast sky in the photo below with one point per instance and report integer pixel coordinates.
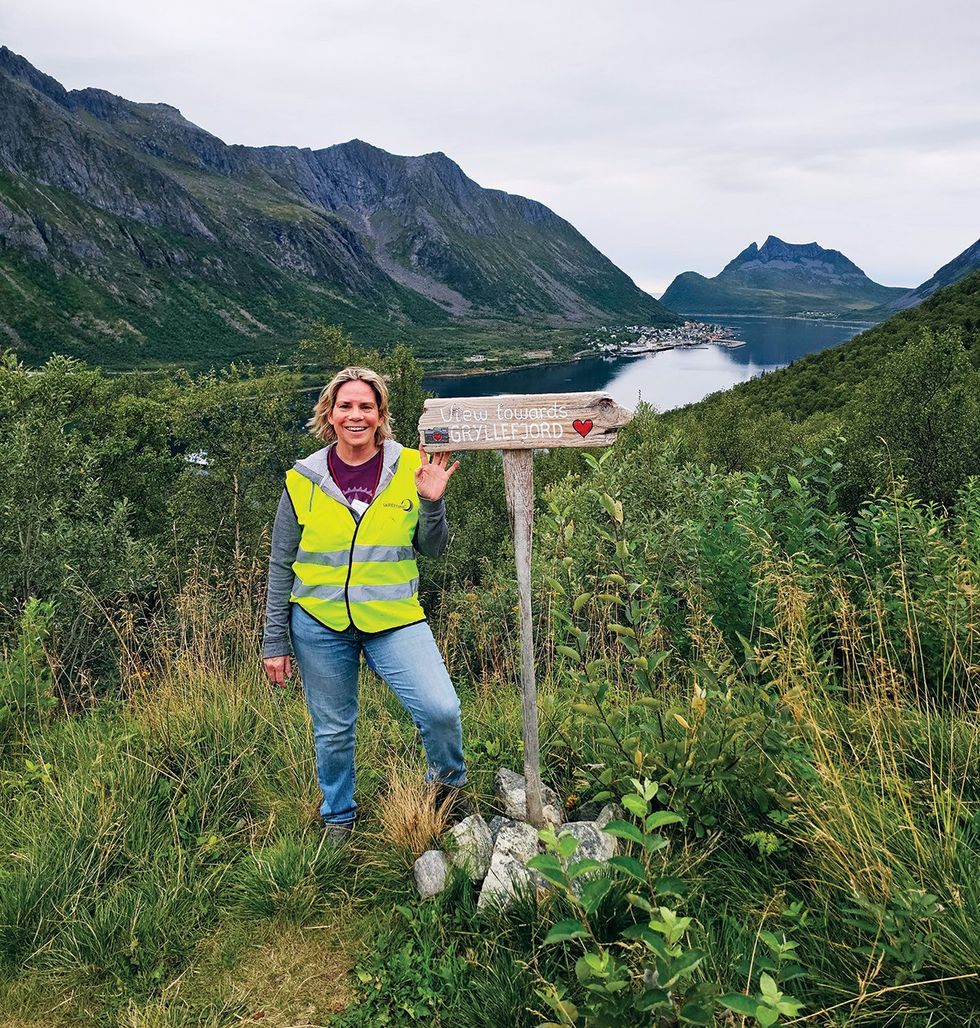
(670, 134)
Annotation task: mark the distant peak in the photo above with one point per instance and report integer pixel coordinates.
(774, 246)
(21, 69)
(360, 146)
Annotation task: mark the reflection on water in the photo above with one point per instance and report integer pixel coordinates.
(668, 379)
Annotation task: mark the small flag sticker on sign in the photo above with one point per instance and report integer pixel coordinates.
(437, 435)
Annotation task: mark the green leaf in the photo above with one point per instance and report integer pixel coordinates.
(644, 933)
(766, 1015)
(623, 630)
(670, 886)
(565, 930)
(683, 965)
(639, 901)
(548, 866)
(654, 660)
(584, 866)
(583, 971)
(636, 804)
(794, 483)
(694, 1013)
(567, 845)
(768, 987)
(597, 962)
(624, 830)
(652, 998)
(567, 651)
(659, 818)
(654, 843)
(613, 508)
(580, 601)
(739, 1003)
(593, 893)
(631, 866)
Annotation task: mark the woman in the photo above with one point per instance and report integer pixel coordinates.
(343, 580)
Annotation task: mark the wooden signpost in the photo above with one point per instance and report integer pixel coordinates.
(518, 425)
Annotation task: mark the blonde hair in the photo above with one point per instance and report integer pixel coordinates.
(321, 427)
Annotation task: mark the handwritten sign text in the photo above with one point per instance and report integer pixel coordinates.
(521, 422)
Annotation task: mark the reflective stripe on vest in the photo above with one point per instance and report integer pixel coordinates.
(358, 572)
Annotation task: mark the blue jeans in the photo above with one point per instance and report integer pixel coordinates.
(408, 660)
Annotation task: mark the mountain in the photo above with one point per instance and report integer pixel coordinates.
(128, 235)
(780, 279)
(949, 274)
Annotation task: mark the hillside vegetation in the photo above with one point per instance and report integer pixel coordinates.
(913, 381)
(774, 671)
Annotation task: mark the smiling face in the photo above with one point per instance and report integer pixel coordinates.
(355, 418)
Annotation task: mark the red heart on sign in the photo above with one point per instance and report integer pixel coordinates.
(583, 427)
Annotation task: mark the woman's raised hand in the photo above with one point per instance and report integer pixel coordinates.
(432, 477)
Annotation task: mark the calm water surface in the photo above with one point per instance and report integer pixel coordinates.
(668, 379)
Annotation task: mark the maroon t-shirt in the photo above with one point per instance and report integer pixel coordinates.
(357, 482)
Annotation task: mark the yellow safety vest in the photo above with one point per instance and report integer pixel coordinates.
(361, 573)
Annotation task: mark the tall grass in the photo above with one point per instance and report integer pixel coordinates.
(802, 684)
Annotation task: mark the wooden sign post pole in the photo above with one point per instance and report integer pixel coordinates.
(518, 425)
(519, 487)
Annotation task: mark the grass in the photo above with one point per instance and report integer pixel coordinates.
(801, 688)
(163, 854)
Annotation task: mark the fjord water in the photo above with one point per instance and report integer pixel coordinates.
(671, 378)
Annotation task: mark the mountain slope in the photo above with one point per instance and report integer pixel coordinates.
(949, 274)
(779, 278)
(130, 235)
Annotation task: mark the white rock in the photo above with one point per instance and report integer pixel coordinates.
(610, 812)
(473, 847)
(496, 823)
(593, 842)
(516, 844)
(430, 873)
(511, 793)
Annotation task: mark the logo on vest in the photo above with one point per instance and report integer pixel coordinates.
(405, 505)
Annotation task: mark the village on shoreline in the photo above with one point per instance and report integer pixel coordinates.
(633, 340)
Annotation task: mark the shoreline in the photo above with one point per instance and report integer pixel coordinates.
(798, 317)
(473, 372)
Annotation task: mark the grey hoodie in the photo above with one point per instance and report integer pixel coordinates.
(431, 538)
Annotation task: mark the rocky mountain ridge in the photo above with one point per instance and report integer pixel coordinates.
(129, 234)
(949, 274)
(780, 278)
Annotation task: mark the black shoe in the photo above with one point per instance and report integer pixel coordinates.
(456, 804)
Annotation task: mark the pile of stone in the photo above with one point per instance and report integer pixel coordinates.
(496, 854)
